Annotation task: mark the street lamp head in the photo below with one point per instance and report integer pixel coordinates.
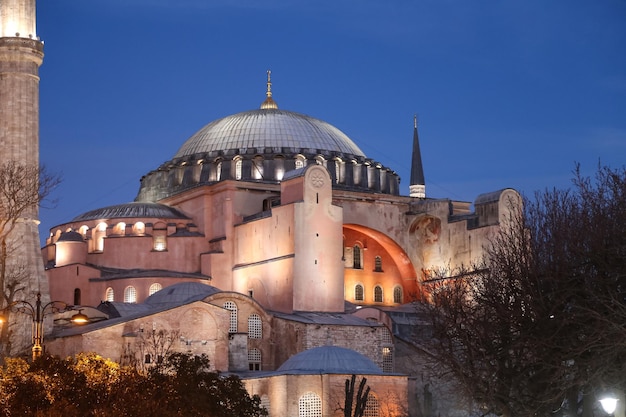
(609, 404)
(79, 318)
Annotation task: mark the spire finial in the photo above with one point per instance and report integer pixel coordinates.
(415, 120)
(269, 102)
(269, 83)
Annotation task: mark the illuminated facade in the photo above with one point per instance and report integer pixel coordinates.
(269, 234)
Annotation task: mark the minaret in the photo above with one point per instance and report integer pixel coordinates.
(417, 187)
(21, 54)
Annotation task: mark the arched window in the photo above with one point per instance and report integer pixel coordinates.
(120, 229)
(109, 295)
(155, 288)
(139, 228)
(378, 294)
(372, 408)
(232, 307)
(358, 257)
(397, 295)
(218, 171)
(83, 231)
(378, 264)
(310, 405)
(130, 294)
(255, 327)
(254, 360)
(358, 292)
(76, 296)
(99, 235)
(238, 169)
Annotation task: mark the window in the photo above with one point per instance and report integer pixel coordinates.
(139, 228)
(160, 243)
(232, 307)
(155, 288)
(130, 294)
(238, 164)
(378, 264)
(109, 295)
(397, 295)
(299, 162)
(254, 360)
(99, 235)
(218, 171)
(310, 405)
(357, 257)
(265, 403)
(120, 229)
(358, 292)
(255, 327)
(378, 294)
(386, 350)
(372, 408)
(257, 168)
(76, 296)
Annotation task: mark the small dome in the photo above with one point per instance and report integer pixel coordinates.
(268, 128)
(329, 360)
(181, 293)
(128, 210)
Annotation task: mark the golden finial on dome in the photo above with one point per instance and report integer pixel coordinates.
(269, 102)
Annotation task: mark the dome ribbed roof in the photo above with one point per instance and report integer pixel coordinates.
(268, 128)
(329, 360)
(128, 210)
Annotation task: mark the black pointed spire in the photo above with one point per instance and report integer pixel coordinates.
(417, 186)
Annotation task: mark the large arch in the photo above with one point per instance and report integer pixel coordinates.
(396, 267)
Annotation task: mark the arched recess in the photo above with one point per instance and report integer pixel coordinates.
(396, 264)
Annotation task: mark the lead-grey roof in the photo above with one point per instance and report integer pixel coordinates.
(268, 128)
(129, 210)
(329, 360)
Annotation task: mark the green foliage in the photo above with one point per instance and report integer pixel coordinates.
(89, 385)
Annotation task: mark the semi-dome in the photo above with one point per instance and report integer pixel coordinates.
(329, 360)
(269, 128)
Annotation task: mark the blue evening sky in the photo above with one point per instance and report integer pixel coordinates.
(508, 93)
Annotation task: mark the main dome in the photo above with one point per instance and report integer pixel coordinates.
(268, 128)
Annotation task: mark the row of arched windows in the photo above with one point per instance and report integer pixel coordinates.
(130, 293)
(359, 294)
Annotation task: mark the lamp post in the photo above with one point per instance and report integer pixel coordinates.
(38, 313)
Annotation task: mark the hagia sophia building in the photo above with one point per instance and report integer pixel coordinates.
(271, 243)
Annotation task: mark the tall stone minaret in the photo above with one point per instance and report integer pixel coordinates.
(417, 186)
(21, 55)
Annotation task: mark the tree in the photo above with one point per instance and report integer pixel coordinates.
(22, 190)
(357, 403)
(89, 385)
(539, 326)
